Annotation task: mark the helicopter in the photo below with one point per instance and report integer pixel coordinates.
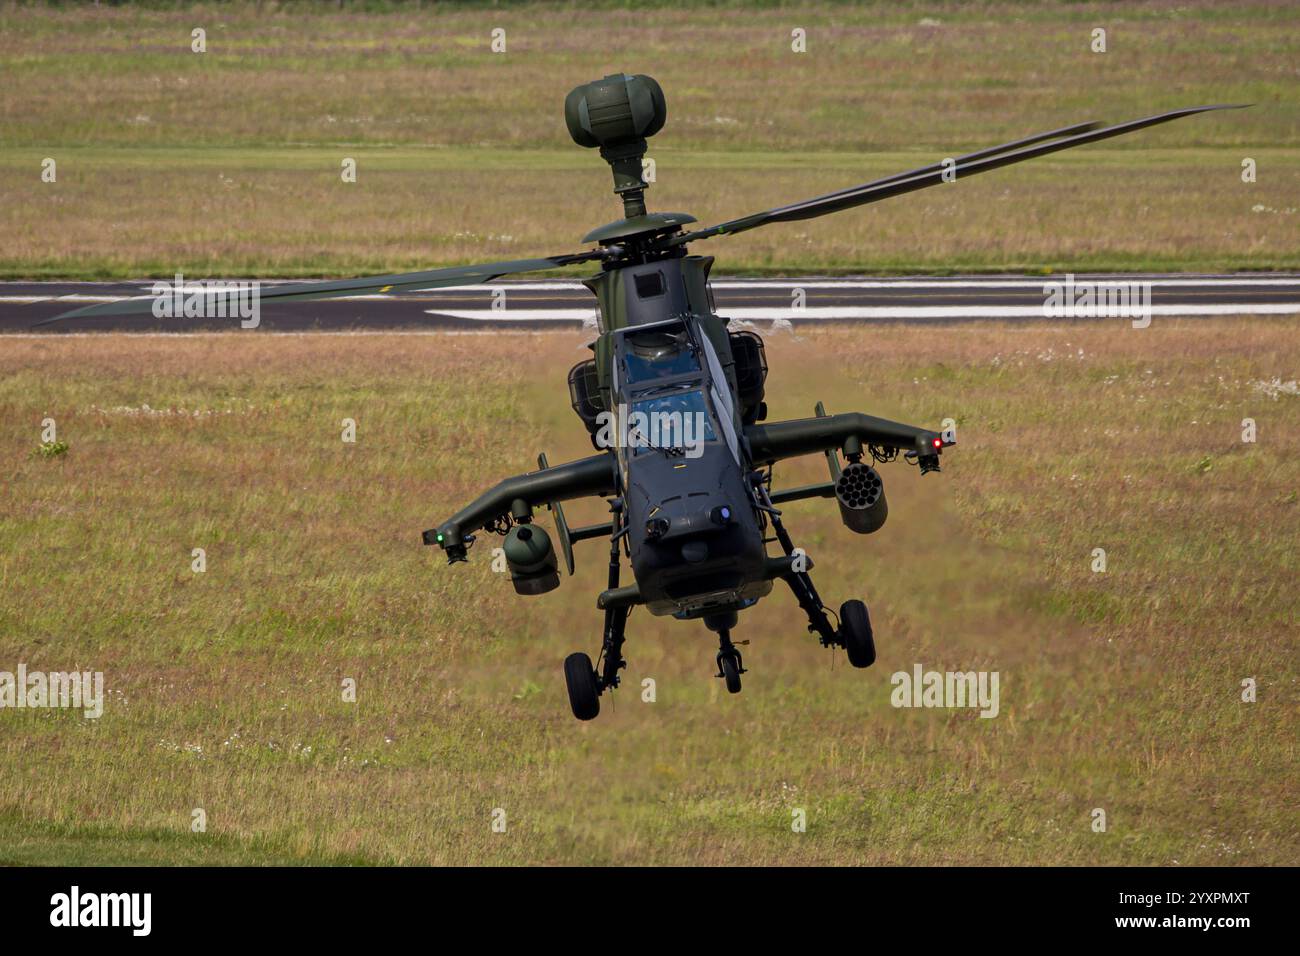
(673, 402)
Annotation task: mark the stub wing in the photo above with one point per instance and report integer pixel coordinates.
(595, 476)
(774, 441)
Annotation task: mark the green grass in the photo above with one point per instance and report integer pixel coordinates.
(227, 162)
(223, 688)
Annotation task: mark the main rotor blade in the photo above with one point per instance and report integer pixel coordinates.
(217, 299)
(993, 158)
(971, 157)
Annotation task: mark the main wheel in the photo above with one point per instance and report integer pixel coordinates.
(580, 676)
(855, 629)
(730, 665)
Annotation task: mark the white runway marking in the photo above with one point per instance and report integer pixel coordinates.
(993, 283)
(954, 283)
(311, 333)
(28, 299)
(848, 312)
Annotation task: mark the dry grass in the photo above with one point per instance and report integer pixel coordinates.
(874, 77)
(1118, 690)
(232, 216)
(228, 162)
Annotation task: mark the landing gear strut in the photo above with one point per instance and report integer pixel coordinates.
(585, 683)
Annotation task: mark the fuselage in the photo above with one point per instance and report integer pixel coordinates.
(668, 377)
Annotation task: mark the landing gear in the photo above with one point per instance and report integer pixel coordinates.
(585, 683)
(729, 670)
(855, 633)
(730, 664)
(584, 692)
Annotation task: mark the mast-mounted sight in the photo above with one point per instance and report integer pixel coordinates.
(617, 114)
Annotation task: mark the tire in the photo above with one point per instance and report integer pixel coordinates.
(855, 629)
(730, 665)
(580, 676)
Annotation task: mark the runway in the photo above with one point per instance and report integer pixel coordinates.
(560, 303)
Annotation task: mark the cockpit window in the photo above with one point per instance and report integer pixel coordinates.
(656, 354)
(670, 419)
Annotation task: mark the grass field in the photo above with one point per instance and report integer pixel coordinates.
(229, 161)
(1119, 690)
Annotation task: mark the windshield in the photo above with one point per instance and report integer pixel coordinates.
(669, 420)
(658, 354)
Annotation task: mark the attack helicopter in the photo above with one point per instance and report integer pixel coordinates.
(673, 401)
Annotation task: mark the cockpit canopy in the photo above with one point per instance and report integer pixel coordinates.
(671, 387)
(650, 355)
(673, 417)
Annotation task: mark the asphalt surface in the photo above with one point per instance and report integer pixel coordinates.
(557, 303)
